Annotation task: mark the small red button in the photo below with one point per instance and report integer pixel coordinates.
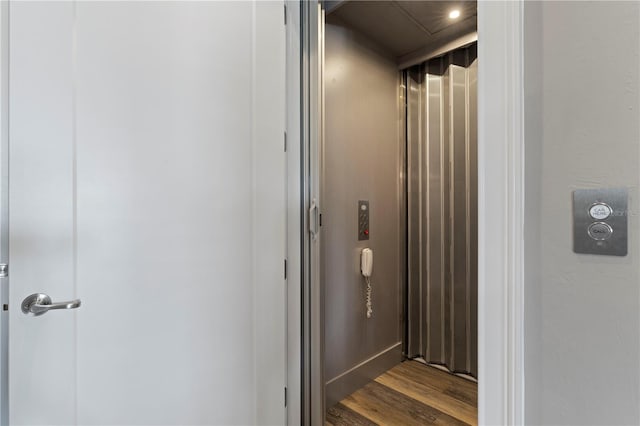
(366, 232)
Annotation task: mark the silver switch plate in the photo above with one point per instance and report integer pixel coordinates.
(363, 220)
(600, 221)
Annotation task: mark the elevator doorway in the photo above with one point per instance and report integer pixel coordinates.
(398, 165)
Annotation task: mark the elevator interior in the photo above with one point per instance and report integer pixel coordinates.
(399, 178)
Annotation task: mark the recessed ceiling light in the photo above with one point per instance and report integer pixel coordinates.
(454, 14)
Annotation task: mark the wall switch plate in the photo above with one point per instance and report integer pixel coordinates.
(600, 221)
(363, 220)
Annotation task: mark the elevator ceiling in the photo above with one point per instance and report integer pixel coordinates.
(407, 30)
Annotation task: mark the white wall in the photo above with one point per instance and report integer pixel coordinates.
(582, 82)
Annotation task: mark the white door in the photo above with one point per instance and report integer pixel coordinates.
(147, 180)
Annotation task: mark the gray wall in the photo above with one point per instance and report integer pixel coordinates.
(362, 161)
(582, 73)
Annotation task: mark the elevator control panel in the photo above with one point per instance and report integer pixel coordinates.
(363, 220)
(600, 221)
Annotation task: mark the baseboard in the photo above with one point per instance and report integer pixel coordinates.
(444, 368)
(355, 378)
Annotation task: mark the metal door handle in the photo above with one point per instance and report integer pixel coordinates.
(38, 304)
(313, 219)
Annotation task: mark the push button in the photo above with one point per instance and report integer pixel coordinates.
(600, 231)
(600, 221)
(600, 211)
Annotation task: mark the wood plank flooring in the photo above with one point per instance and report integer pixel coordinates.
(409, 394)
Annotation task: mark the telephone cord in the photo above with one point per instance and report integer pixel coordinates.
(369, 308)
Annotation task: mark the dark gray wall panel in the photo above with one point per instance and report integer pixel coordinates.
(362, 161)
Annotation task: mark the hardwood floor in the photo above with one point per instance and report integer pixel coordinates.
(409, 394)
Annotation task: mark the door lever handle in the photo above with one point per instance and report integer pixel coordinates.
(38, 304)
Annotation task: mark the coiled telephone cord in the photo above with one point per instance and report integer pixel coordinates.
(369, 307)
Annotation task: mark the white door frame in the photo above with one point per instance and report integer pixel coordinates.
(4, 209)
(500, 224)
(501, 213)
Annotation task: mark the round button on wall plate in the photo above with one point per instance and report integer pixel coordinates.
(600, 231)
(600, 211)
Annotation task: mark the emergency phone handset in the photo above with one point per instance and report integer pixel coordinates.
(366, 267)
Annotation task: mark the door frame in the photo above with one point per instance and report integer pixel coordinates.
(4, 210)
(501, 254)
(500, 232)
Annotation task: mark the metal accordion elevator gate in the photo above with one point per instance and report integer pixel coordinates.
(442, 129)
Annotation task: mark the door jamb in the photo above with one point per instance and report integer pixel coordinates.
(4, 211)
(501, 213)
(313, 316)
